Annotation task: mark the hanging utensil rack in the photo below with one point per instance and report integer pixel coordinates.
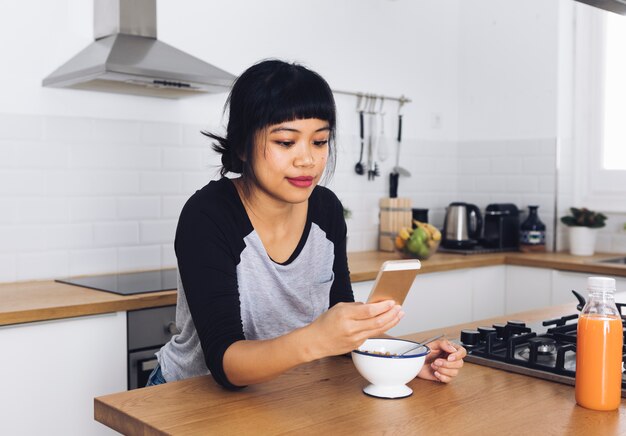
(402, 99)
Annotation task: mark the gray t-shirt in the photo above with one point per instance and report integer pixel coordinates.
(229, 289)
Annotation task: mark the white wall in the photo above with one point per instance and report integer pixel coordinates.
(93, 182)
(507, 104)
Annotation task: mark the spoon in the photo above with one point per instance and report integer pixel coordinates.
(358, 168)
(427, 341)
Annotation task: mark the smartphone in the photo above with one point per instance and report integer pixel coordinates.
(394, 280)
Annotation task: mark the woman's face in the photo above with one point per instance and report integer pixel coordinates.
(290, 158)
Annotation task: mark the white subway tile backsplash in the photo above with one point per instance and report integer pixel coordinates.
(95, 182)
(475, 165)
(547, 184)
(192, 136)
(41, 155)
(116, 233)
(22, 238)
(139, 258)
(168, 256)
(93, 261)
(604, 243)
(43, 210)
(172, 205)
(521, 184)
(42, 265)
(93, 196)
(506, 197)
(506, 165)
(8, 268)
(116, 131)
(158, 231)
(539, 165)
(21, 182)
(92, 208)
(182, 158)
(14, 126)
(114, 157)
(485, 149)
(467, 184)
(138, 207)
(161, 133)
(161, 182)
(8, 210)
(211, 160)
(69, 236)
(618, 244)
(8, 156)
(490, 184)
(193, 181)
(69, 129)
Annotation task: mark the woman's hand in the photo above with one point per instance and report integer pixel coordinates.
(443, 362)
(345, 326)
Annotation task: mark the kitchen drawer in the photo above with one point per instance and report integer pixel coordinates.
(150, 327)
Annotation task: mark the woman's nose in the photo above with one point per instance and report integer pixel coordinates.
(305, 156)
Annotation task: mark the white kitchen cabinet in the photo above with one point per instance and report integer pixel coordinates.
(446, 298)
(51, 371)
(436, 300)
(565, 281)
(488, 291)
(527, 288)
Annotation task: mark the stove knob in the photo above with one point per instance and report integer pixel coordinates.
(516, 323)
(499, 330)
(484, 331)
(470, 337)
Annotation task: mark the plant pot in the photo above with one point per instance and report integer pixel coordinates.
(582, 241)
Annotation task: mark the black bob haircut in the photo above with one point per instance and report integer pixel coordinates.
(268, 93)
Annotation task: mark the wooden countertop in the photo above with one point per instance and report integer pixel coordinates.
(325, 397)
(45, 300)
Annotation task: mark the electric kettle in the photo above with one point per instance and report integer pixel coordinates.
(462, 226)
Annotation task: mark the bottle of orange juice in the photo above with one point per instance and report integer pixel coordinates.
(599, 348)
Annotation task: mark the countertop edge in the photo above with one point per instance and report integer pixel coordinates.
(364, 267)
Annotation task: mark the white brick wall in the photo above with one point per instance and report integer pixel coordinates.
(522, 172)
(85, 196)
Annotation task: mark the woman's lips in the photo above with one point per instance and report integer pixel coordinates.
(301, 182)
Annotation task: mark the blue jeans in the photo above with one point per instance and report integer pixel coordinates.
(156, 377)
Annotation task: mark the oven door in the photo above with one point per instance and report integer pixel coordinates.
(140, 365)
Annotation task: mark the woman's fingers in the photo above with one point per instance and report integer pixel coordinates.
(371, 310)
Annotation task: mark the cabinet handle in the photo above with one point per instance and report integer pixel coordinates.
(149, 365)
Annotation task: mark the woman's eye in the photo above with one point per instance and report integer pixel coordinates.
(285, 143)
(320, 143)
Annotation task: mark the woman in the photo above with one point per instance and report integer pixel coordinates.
(263, 283)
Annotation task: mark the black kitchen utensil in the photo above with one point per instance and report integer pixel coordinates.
(358, 168)
(393, 184)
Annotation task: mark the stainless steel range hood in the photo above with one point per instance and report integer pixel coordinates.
(617, 6)
(127, 58)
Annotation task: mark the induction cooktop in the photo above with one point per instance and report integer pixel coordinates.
(128, 283)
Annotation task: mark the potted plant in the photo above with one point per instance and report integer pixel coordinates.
(583, 225)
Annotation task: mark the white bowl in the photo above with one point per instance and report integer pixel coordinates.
(389, 374)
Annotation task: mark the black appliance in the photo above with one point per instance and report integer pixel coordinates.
(546, 351)
(128, 283)
(148, 330)
(462, 226)
(501, 226)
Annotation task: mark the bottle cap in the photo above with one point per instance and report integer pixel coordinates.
(601, 284)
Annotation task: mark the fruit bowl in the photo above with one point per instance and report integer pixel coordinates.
(420, 242)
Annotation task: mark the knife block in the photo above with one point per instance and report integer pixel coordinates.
(395, 213)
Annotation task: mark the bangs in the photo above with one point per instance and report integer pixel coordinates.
(295, 93)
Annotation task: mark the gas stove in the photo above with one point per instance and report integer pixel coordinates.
(546, 351)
